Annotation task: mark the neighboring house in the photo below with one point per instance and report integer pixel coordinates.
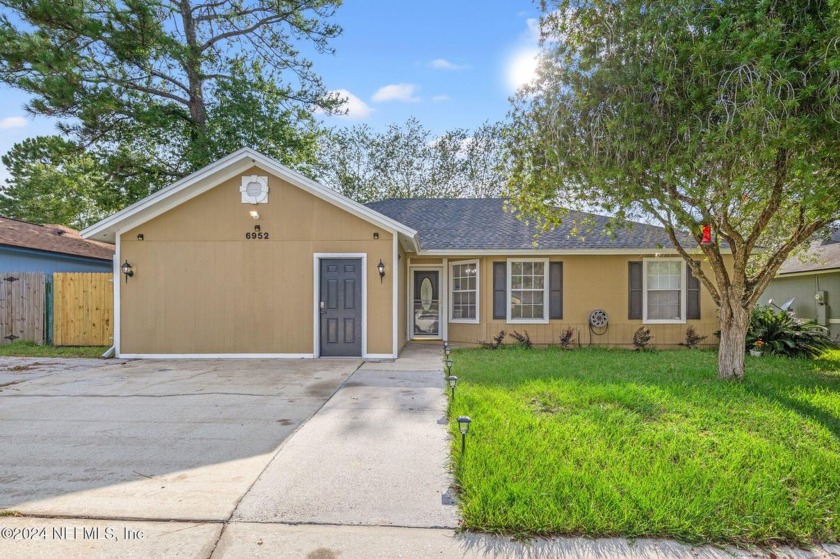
(813, 281)
(249, 258)
(29, 247)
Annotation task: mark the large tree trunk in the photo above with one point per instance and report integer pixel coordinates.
(734, 323)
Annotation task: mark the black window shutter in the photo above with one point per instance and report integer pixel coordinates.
(499, 290)
(634, 291)
(555, 290)
(692, 296)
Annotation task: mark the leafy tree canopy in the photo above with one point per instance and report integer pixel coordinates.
(688, 113)
(152, 90)
(408, 161)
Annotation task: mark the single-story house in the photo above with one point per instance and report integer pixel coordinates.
(30, 247)
(812, 280)
(248, 258)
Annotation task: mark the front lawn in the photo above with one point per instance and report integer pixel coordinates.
(612, 442)
(31, 349)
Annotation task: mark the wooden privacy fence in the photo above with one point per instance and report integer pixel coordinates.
(22, 306)
(83, 309)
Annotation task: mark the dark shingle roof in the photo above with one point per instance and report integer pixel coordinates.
(51, 238)
(820, 256)
(483, 224)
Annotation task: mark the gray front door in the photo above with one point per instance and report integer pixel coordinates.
(341, 307)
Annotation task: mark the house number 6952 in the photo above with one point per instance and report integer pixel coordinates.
(256, 235)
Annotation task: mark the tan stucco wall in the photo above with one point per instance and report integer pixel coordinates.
(589, 283)
(201, 287)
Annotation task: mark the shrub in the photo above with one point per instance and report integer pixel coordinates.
(522, 340)
(692, 338)
(566, 338)
(641, 338)
(498, 339)
(785, 334)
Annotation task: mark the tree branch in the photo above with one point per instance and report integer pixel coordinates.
(237, 32)
(758, 284)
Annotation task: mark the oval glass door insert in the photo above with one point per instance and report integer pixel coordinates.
(426, 293)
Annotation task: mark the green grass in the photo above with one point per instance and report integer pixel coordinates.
(620, 443)
(31, 349)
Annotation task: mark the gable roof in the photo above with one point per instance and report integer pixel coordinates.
(482, 224)
(56, 239)
(215, 174)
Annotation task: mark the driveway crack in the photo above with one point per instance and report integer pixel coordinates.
(274, 457)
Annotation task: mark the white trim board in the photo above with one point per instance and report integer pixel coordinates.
(217, 356)
(808, 273)
(538, 252)
(395, 298)
(117, 297)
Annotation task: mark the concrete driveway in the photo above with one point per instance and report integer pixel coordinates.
(173, 440)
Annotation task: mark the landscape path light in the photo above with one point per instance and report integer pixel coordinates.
(452, 382)
(449, 363)
(464, 426)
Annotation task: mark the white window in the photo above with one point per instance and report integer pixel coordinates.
(664, 290)
(463, 280)
(527, 290)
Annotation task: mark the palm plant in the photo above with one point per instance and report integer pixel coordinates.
(783, 333)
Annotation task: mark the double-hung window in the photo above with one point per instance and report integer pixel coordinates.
(463, 279)
(664, 290)
(527, 290)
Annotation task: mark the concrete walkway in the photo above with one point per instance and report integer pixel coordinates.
(366, 477)
(376, 454)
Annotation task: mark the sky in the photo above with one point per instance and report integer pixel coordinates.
(451, 64)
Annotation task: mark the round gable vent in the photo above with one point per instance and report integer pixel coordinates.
(254, 190)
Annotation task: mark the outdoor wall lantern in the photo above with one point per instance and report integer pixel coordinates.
(452, 382)
(127, 270)
(381, 269)
(449, 363)
(464, 427)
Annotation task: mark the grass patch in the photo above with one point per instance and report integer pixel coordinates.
(649, 444)
(31, 349)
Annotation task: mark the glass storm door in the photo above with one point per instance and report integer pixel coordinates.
(426, 299)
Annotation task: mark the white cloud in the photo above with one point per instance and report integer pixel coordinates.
(533, 33)
(443, 64)
(355, 107)
(440, 98)
(13, 122)
(403, 92)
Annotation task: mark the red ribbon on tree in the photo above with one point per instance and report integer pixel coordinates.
(707, 235)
